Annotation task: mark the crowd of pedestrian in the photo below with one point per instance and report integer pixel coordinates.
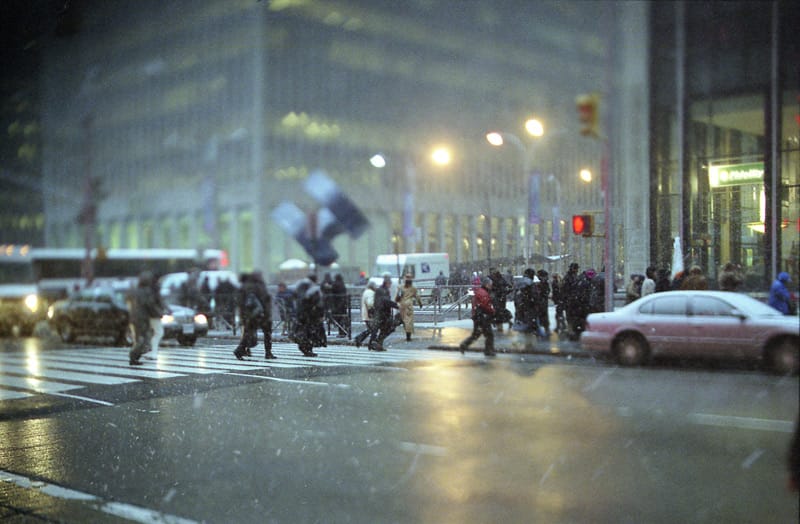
(304, 311)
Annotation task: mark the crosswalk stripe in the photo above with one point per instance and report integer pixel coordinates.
(22, 375)
(35, 384)
(72, 376)
(9, 394)
(80, 364)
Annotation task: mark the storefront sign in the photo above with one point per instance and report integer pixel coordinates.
(736, 174)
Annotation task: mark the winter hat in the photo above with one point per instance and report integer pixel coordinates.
(784, 277)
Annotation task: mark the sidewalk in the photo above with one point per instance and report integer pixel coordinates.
(446, 336)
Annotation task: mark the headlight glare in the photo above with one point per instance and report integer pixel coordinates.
(32, 302)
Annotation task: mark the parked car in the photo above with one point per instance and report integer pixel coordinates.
(103, 312)
(699, 324)
(20, 309)
(95, 312)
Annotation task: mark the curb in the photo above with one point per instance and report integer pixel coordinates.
(421, 344)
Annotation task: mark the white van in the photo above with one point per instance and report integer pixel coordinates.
(423, 268)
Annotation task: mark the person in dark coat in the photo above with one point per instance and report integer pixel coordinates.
(525, 303)
(558, 300)
(309, 329)
(730, 278)
(144, 305)
(542, 304)
(573, 304)
(286, 310)
(499, 294)
(251, 313)
(264, 322)
(482, 315)
(384, 318)
(339, 303)
(225, 302)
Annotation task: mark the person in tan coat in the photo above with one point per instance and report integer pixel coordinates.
(406, 296)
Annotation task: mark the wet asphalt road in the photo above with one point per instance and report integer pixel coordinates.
(517, 438)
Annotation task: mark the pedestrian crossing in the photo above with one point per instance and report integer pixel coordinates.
(61, 372)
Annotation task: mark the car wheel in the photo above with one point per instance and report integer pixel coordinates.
(184, 340)
(66, 331)
(630, 350)
(784, 357)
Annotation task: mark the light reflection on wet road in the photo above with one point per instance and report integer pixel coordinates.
(505, 440)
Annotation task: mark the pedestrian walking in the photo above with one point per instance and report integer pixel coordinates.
(384, 318)
(558, 300)
(156, 327)
(695, 280)
(367, 312)
(779, 296)
(439, 290)
(407, 295)
(482, 315)
(499, 295)
(251, 312)
(649, 282)
(634, 288)
(730, 278)
(143, 306)
(574, 302)
(225, 303)
(339, 304)
(525, 303)
(543, 304)
(285, 299)
(310, 325)
(264, 321)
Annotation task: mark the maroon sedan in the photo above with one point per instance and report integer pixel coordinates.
(699, 324)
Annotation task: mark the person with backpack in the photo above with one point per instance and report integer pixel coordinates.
(264, 321)
(254, 315)
(309, 328)
(482, 317)
(144, 305)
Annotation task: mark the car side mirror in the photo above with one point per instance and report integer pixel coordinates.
(737, 313)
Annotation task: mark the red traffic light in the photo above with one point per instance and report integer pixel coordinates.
(582, 225)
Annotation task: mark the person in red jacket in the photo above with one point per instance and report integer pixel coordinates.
(482, 315)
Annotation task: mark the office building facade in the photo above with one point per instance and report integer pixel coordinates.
(186, 123)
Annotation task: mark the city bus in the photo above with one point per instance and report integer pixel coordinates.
(32, 277)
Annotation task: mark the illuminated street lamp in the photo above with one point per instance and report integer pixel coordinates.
(440, 156)
(535, 128)
(585, 175)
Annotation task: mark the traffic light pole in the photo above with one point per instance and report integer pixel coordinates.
(608, 258)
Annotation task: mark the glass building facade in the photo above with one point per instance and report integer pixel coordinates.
(725, 157)
(200, 117)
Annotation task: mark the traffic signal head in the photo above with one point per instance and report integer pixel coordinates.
(582, 225)
(588, 113)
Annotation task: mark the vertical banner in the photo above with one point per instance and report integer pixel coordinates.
(408, 214)
(409, 229)
(556, 230)
(534, 211)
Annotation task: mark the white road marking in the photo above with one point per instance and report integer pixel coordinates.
(730, 421)
(118, 509)
(24, 372)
